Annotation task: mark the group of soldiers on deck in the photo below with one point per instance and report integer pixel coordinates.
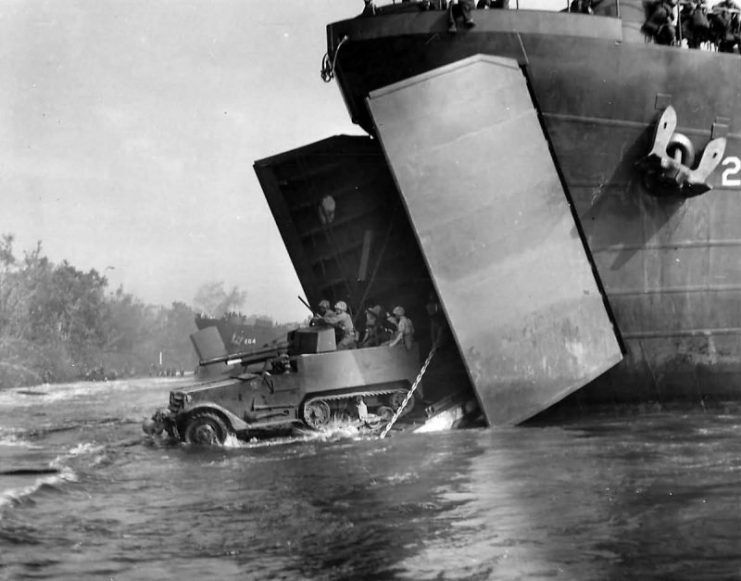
(458, 10)
(669, 22)
(717, 26)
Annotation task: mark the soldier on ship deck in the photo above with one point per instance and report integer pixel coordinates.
(660, 22)
(726, 20)
(461, 9)
(492, 4)
(369, 9)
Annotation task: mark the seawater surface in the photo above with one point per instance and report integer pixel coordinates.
(84, 494)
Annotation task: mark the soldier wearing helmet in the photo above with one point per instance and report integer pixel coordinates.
(322, 310)
(342, 321)
(404, 329)
(323, 306)
(375, 332)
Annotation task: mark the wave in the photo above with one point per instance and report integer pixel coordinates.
(58, 472)
(18, 495)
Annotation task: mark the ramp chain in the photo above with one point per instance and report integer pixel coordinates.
(409, 395)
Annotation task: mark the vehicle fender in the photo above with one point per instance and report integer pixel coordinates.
(236, 423)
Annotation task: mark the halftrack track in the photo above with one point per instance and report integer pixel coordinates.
(317, 410)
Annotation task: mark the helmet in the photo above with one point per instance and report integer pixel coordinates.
(398, 311)
(324, 303)
(376, 311)
(341, 306)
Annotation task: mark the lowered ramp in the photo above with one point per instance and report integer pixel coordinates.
(474, 170)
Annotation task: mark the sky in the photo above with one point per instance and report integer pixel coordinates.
(129, 128)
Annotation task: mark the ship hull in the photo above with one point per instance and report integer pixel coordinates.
(669, 265)
(241, 337)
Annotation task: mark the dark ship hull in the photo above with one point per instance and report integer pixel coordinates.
(664, 259)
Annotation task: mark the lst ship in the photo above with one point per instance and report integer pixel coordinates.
(568, 192)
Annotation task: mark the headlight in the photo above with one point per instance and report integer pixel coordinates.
(178, 400)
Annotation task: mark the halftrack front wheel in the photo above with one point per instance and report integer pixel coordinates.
(205, 429)
(316, 413)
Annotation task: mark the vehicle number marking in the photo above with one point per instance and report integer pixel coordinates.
(733, 170)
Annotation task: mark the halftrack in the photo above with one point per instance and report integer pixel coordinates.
(304, 381)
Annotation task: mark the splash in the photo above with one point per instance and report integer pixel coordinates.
(336, 430)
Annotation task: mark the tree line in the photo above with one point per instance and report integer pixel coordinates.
(58, 323)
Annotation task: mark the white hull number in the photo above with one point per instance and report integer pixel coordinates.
(731, 176)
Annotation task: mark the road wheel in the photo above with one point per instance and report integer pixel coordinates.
(316, 413)
(385, 413)
(381, 417)
(205, 429)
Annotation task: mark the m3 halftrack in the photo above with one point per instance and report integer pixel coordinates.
(304, 381)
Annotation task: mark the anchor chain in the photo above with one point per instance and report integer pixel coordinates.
(327, 72)
(410, 393)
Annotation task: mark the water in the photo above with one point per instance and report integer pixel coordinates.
(85, 495)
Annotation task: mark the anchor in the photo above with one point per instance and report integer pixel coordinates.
(666, 174)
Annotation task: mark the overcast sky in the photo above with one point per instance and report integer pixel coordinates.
(128, 131)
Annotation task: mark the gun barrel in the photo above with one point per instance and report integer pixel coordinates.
(307, 305)
(248, 356)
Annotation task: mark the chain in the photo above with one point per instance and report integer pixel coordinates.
(328, 65)
(410, 393)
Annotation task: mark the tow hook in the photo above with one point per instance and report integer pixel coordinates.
(155, 425)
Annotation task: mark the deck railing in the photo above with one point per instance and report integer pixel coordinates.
(395, 6)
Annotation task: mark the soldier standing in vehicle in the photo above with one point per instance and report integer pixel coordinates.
(322, 309)
(341, 320)
(375, 333)
(404, 329)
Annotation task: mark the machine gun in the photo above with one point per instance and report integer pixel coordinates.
(307, 305)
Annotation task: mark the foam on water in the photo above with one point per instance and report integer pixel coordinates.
(11, 438)
(336, 430)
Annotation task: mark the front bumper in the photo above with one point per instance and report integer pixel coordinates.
(162, 420)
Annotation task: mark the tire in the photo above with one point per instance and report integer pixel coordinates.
(205, 429)
(385, 413)
(316, 413)
(381, 417)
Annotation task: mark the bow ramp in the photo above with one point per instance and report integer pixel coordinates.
(481, 190)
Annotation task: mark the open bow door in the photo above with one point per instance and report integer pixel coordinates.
(480, 186)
